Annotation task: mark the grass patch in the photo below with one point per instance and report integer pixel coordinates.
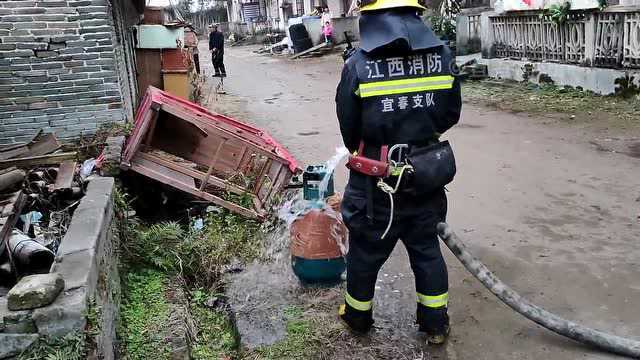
(302, 340)
(216, 336)
(70, 347)
(199, 256)
(154, 253)
(613, 111)
(144, 313)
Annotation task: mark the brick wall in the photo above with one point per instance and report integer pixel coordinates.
(58, 68)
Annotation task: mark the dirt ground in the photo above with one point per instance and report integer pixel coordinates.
(536, 198)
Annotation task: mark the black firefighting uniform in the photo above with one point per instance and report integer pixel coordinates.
(398, 88)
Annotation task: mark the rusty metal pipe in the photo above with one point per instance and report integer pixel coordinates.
(553, 322)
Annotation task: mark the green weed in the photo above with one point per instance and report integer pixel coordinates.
(70, 347)
(144, 313)
(216, 337)
(302, 340)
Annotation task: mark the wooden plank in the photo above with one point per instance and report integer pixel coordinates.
(64, 180)
(192, 190)
(213, 180)
(8, 222)
(136, 140)
(182, 178)
(47, 144)
(205, 179)
(8, 154)
(149, 137)
(308, 51)
(149, 69)
(52, 159)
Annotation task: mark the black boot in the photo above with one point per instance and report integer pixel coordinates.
(358, 321)
(434, 322)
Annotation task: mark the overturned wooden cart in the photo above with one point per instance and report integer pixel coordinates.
(208, 155)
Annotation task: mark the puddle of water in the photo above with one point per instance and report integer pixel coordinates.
(634, 150)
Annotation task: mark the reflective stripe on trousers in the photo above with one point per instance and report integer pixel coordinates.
(433, 301)
(356, 304)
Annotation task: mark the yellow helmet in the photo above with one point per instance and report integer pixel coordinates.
(370, 5)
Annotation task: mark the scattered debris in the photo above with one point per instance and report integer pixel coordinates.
(39, 145)
(64, 180)
(30, 254)
(39, 189)
(316, 50)
(210, 156)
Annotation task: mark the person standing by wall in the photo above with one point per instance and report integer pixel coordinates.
(216, 46)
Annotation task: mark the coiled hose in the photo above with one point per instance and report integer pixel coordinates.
(585, 335)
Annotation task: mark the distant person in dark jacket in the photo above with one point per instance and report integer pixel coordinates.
(216, 46)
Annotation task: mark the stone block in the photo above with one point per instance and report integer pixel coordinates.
(85, 57)
(16, 54)
(79, 268)
(74, 76)
(46, 66)
(16, 39)
(16, 18)
(50, 17)
(92, 9)
(18, 322)
(14, 344)
(88, 82)
(94, 29)
(79, 3)
(46, 54)
(72, 51)
(52, 3)
(18, 4)
(32, 46)
(64, 38)
(103, 35)
(33, 25)
(64, 316)
(94, 23)
(63, 25)
(35, 291)
(27, 11)
(62, 10)
(85, 69)
(7, 47)
(41, 79)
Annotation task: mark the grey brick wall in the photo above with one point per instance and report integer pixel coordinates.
(59, 68)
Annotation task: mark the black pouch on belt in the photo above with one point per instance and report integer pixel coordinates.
(434, 166)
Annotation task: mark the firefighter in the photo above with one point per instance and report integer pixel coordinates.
(397, 89)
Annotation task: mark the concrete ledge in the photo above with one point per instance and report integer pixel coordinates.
(599, 80)
(87, 260)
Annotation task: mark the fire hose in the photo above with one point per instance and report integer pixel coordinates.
(582, 334)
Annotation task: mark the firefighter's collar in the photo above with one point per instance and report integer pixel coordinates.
(381, 28)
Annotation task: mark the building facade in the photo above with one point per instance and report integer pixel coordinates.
(66, 66)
